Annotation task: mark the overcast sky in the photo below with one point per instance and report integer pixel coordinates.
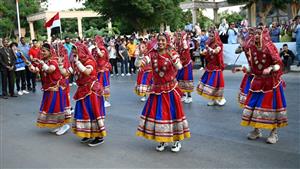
(59, 5)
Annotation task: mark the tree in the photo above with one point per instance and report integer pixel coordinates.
(203, 21)
(139, 14)
(231, 17)
(8, 15)
(268, 5)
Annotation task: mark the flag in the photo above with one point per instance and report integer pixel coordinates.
(54, 24)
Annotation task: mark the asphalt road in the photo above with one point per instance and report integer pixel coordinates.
(217, 140)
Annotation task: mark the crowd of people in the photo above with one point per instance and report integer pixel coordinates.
(164, 64)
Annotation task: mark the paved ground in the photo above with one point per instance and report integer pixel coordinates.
(218, 141)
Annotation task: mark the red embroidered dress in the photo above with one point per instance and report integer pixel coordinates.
(163, 118)
(185, 75)
(211, 84)
(52, 110)
(89, 111)
(103, 65)
(265, 106)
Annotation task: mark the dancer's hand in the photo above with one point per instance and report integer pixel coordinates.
(267, 71)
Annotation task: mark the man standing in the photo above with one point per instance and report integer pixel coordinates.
(33, 54)
(7, 62)
(275, 32)
(24, 48)
(131, 53)
(124, 58)
(297, 31)
(68, 45)
(232, 33)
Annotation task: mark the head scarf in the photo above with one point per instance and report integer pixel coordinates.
(83, 52)
(168, 39)
(50, 48)
(62, 52)
(216, 41)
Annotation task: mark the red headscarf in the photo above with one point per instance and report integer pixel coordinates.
(50, 48)
(83, 52)
(62, 52)
(213, 44)
(100, 44)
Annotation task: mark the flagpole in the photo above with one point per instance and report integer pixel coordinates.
(18, 17)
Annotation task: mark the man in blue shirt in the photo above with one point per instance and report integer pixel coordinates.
(68, 45)
(202, 40)
(24, 48)
(275, 32)
(297, 31)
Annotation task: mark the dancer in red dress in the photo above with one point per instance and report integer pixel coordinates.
(163, 119)
(144, 77)
(52, 111)
(211, 84)
(100, 53)
(248, 76)
(89, 111)
(265, 105)
(185, 75)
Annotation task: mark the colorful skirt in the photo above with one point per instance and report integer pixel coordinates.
(265, 110)
(211, 85)
(103, 79)
(185, 78)
(52, 111)
(89, 117)
(163, 118)
(143, 83)
(244, 89)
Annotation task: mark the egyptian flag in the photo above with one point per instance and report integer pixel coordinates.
(54, 24)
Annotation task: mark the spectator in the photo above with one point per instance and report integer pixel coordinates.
(297, 31)
(275, 32)
(33, 54)
(24, 49)
(203, 39)
(124, 58)
(68, 46)
(20, 70)
(292, 27)
(222, 31)
(232, 33)
(131, 53)
(191, 44)
(287, 57)
(113, 57)
(7, 66)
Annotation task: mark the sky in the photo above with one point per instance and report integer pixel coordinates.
(59, 5)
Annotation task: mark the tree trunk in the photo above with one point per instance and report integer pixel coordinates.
(295, 7)
(264, 14)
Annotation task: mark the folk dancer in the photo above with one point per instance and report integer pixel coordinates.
(185, 75)
(248, 76)
(265, 105)
(104, 67)
(89, 111)
(163, 119)
(211, 84)
(144, 77)
(52, 110)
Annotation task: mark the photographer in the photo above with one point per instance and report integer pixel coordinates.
(287, 57)
(274, 32)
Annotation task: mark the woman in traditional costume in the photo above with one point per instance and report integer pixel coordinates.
(52, 111)
(163, 119)
(104, 67)
(185, 75)
(211, 84)
(265, 105)
(89, 111)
